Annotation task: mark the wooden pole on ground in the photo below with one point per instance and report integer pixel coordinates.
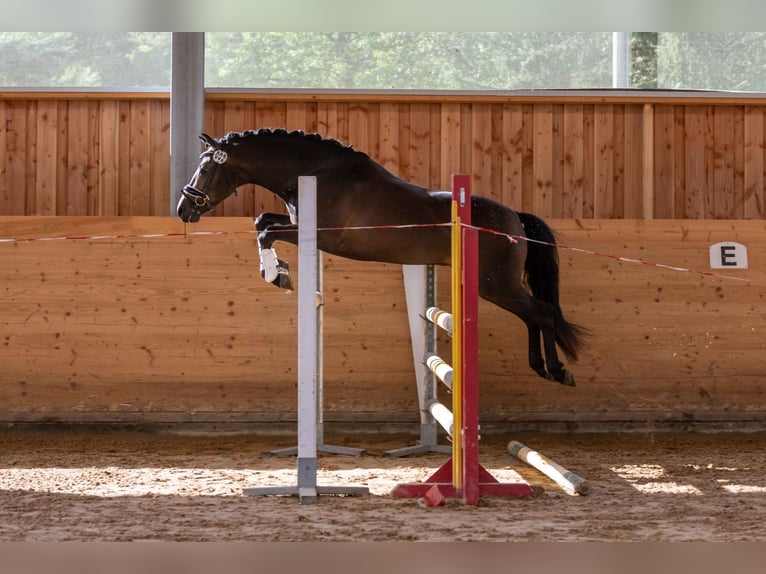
(567, 479)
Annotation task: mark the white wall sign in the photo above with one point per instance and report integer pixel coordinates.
(728, 255)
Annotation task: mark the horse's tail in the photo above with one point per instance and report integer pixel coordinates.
(542, 274)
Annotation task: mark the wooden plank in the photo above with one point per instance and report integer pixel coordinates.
(466, 136)
(512, 156)
(664, 174)
(603, 161)
(435, 150)
(574, 148)
(523, 96)
(589, 97)
(420, 144)
(214, 120)
(557, 162)
(30, 169)
(679, 163)
(77, 159)
(647, 158)
(481, 151)
(542, 202)
(15, 161)
(696, 183)
(47, 156)
(588, 172)
(123, 164)
(450, 144)
(296, 117)
(373, 132)
(738, 144)
(710, 159)
(405, 156)
(634, 157)
(90, 95)
(159, 120)
(312, 117)
(233, 121)
(91, 172)
(250, 114)
(62, 174)
(109, 159)
(754, 163)
(140, 158)
(3, 151)
(389, 137)
(332, 120)
(527, 161)
(359, 126)
(327, 113)
(496, 153)
(618, 162)
(723, 167)
(270, 114)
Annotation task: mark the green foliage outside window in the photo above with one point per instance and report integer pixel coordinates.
(388, 60)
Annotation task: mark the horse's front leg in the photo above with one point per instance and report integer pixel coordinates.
(273, 227)
(268, 218)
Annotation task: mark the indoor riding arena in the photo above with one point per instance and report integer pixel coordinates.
(148, 370)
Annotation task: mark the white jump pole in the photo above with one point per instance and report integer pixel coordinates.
(313, 273)
(309, 360)
(420, 293)
(567, 479)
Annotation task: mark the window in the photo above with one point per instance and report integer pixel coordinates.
(85, 60)
(408, 60)
(388, 60)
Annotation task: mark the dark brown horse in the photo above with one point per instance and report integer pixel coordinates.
(355, 191)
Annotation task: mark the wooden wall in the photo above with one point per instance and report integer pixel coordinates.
(183, 328)
(84, 154)
(178, 329)
(557, 155)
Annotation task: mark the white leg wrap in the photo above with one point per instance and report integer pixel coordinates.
(269, 265)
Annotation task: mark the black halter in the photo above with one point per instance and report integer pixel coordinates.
(199, 197)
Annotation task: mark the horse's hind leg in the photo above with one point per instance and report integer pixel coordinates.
(273, 269)
(540, 320)
(535, 354)
(554, 365)
(538, 316)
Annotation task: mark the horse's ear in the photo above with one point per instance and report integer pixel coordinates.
(207, 140)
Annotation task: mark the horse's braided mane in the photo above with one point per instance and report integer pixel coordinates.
(234, 138)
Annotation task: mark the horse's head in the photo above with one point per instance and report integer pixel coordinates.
(210, 184)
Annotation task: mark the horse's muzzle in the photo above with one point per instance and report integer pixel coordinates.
(187, 212)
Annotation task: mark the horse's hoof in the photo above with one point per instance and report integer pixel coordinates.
(543, 374)
(283, 280)
(567, 380)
